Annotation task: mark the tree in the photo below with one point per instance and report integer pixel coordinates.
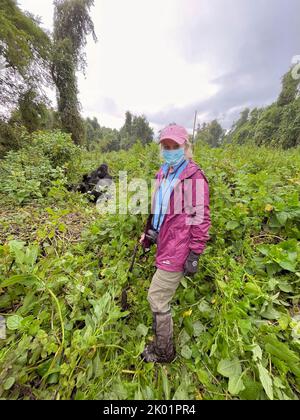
(289, 90)
(141, 129)
(93, 132)
(211, 133)
(32, 112)
(128, 123)
(110, 141)
(266, 129)
(25, 56)
(72, 24)
(240, 130)
(135, 128)
(12, 137)
(243, 119)
(289, 130)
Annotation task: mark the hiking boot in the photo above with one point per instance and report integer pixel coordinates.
(161, 349)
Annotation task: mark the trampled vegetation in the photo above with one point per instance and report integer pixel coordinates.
(63, 267)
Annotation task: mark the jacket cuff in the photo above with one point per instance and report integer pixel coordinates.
(195, 253)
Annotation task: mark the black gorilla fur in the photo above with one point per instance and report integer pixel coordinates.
(89, 182)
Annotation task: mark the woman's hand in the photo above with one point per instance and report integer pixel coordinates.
(144, 243)
(191, 264)
(142, 239)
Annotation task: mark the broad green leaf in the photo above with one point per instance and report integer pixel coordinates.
(53, 378)
(235, 385)
(198, 328)
(9, 383)
(288, 265)
(232, 225)
(245, 325)
(97, 366)
(282, 218)
(206, 309)
(280, 350)
(266, 381)
(285, 287)
(203, 377)
(229, 368)
(278, 383)
(271, 313)
(165, 383)
(213, 349)
(295, 324)
(264, 249)
(252, 390)
(31, 255)
(284, 321)
(19, 278)
(14, 322)
(257, 352)
(16, 246)
(186, 352)
(188, 324)
(181, 392)
(253, 289)
(142, 330)
(184, 282)
(184, 338)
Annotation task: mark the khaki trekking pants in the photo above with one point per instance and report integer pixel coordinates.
(162, 289)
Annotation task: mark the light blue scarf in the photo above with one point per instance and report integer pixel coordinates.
(164, 192)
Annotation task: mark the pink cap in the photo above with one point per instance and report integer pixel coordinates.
(174, 132)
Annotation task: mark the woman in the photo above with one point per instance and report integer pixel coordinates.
(180, 236)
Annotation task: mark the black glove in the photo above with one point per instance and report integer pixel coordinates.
(191, 264)
(152, 236)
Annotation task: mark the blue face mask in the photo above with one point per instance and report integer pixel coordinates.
(173, 157)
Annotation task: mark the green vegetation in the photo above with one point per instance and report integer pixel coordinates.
(63, 267)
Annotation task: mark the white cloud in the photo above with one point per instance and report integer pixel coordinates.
(42, 9)
(165, 58)
(136, 63)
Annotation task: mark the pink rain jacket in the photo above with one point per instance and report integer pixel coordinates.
(177, 237)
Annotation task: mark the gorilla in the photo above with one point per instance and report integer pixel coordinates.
(95, 183)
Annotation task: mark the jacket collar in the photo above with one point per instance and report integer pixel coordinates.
(188, 171)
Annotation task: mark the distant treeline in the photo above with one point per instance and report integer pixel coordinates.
(276, 125)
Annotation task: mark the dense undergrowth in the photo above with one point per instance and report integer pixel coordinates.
(63, 267)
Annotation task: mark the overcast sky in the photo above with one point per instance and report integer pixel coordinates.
(167, 58)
